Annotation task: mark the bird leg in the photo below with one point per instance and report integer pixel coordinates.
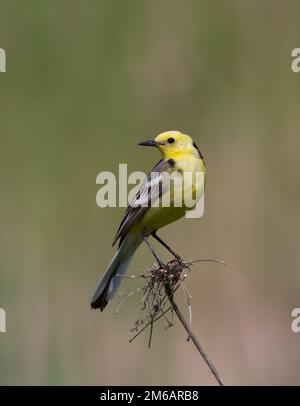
(151, 248)
(178, 257)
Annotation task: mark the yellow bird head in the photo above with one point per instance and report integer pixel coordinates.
(174, 145)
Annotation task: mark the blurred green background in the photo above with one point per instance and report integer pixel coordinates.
(85, 82)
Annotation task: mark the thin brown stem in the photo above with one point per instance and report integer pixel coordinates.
(192, 336)
(163, 313)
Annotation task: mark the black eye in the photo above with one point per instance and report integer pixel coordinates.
(171, 140)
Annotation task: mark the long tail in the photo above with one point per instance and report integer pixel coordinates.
(112, 277)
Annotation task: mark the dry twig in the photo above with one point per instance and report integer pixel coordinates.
(158, 291)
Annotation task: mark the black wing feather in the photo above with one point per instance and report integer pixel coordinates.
(133, 213)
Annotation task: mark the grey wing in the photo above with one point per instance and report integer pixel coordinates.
(150, 191)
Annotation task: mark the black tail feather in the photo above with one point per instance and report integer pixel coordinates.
(101, 301)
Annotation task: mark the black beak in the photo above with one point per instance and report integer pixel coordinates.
(150, 143)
